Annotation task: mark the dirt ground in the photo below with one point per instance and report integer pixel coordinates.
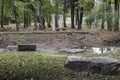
(62, 40)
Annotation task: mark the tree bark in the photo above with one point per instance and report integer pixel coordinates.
(103, 21)
(16, 15)
(102, 24)
(25, 17)
(41, 17)
(109, 17)
(116, 26)
(35, 15)
(48, 22)
(56, 13)
(72, 13)
(64, 15)
(2, 12)
(81, 18)
(78, 18)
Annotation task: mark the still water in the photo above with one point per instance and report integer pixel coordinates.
(98, 50)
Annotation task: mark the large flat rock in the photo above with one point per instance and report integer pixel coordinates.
(11, 48)
(97, 65)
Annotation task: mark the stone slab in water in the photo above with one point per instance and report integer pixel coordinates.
(11, 48)
(72, 50)
(27, 47)
(96, 65)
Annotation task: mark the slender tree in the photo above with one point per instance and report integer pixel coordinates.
(83, 6)
(77, 12)
(72, 13)
(116, 21)
(80, 18)
(56, 13)
(25, 17)
(41, 16)
(35, 15)
(16, 15)
(48, 22)
(2, 12)
(64, 14)
(109, 16)
(102, 16)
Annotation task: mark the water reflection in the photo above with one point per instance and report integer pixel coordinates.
(102, 50)
(98, 50)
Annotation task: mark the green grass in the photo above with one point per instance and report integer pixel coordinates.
(41, 66)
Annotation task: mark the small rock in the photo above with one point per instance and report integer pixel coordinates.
(96, 65)
(2, 50)
(11, 48)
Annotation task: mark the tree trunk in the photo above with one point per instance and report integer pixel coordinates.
(116, 26)
(78, 18)
(72, 14)
(16, 15)
(109, 17)
(29, 16)
(41, 17)
(77, 11)
(56, 13)
(2, 12)
(44, 23)
(48, 22)
(102, 24)
(103, 21)
(25, 17)
(81, 18)
(64, 15)
(35, 15)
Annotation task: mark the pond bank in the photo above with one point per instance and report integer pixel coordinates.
(61, 40)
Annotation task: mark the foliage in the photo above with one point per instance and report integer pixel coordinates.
(49, 8)
(86, 4)
(47, 11)
(90, 19)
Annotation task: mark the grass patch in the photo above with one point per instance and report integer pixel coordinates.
(41, 66)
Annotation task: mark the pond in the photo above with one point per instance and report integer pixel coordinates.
(98, 50)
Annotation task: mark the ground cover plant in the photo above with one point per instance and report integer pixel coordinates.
(43, 66)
